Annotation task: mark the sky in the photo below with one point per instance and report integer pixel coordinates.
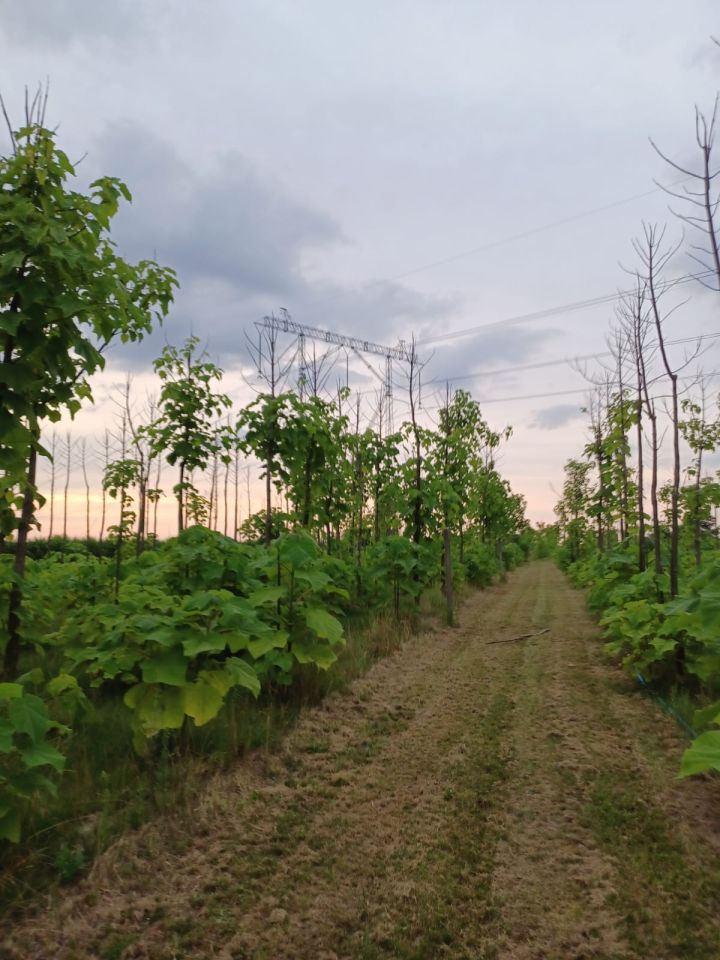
(383, 170)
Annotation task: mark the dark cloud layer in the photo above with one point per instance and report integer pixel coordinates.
(60, 24)
(238, 239)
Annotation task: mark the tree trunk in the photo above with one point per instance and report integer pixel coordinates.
(642, 556)
(53, 448)
(180, 497)
(675, 495)
(268, 502)
(68, 457)
(12, 648)
(654, 496)
(448, 575)
(697, 529)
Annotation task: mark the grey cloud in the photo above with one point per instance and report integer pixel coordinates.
(499, 347)
(550, 418)
(59, 24)
(228, 223)
(238, 240)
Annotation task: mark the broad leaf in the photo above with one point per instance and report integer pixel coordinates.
(323, 624)
(243, 675)
(702, 755)
(310, 651)
(40, 754)
(201, 701)
(156, 707)
(169, 668)
(29, 715)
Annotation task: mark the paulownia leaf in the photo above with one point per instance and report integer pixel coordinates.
(28, 715)
(40, 754)
(10, 824)
(156, 707)
(323, 624)
(243, 675)
(272, 640)
(316, 578)
(169, 668)
(201, 701)
(6, 737)
(310, 651)
(702, 755)
(266, 595)
(203, 642)
(61, 684)
(706, 715)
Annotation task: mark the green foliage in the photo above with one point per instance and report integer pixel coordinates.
(481, 564)
(65, 294)
(27, 756)
(185, 432)
(703, 754)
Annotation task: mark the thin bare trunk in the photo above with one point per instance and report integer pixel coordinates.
(83, 464)
(68, 463)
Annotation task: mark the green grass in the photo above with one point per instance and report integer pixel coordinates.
(660, 894)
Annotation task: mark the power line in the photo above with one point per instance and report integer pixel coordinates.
(560, 361)
(564, 393)
(501, 241)
(558, 310)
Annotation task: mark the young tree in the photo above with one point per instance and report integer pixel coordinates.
(702, 436)
(654, 257)
(68, 454)
(185, 432)
(83, 467)
(65, 295)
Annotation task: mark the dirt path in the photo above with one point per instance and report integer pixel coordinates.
(466, 799)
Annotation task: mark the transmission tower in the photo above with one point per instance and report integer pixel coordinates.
(285, 324)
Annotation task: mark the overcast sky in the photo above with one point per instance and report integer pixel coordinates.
(388, 168)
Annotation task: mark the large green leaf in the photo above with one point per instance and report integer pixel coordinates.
(317, 579)
(40, 754)
(6, 736)
(169, 668)
(62, 683)
(202, 641)
(201, 701)
(272, 640)
(156, 707)
(323, 624)
(707, 715)
(11, 691)
(243, 675)
(310, 651)
(297, 548)
(259, 598)
(702, 755)
(29, 715)
(10, 824)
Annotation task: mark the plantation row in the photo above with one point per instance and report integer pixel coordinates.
(653, 577)
(160, 639)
